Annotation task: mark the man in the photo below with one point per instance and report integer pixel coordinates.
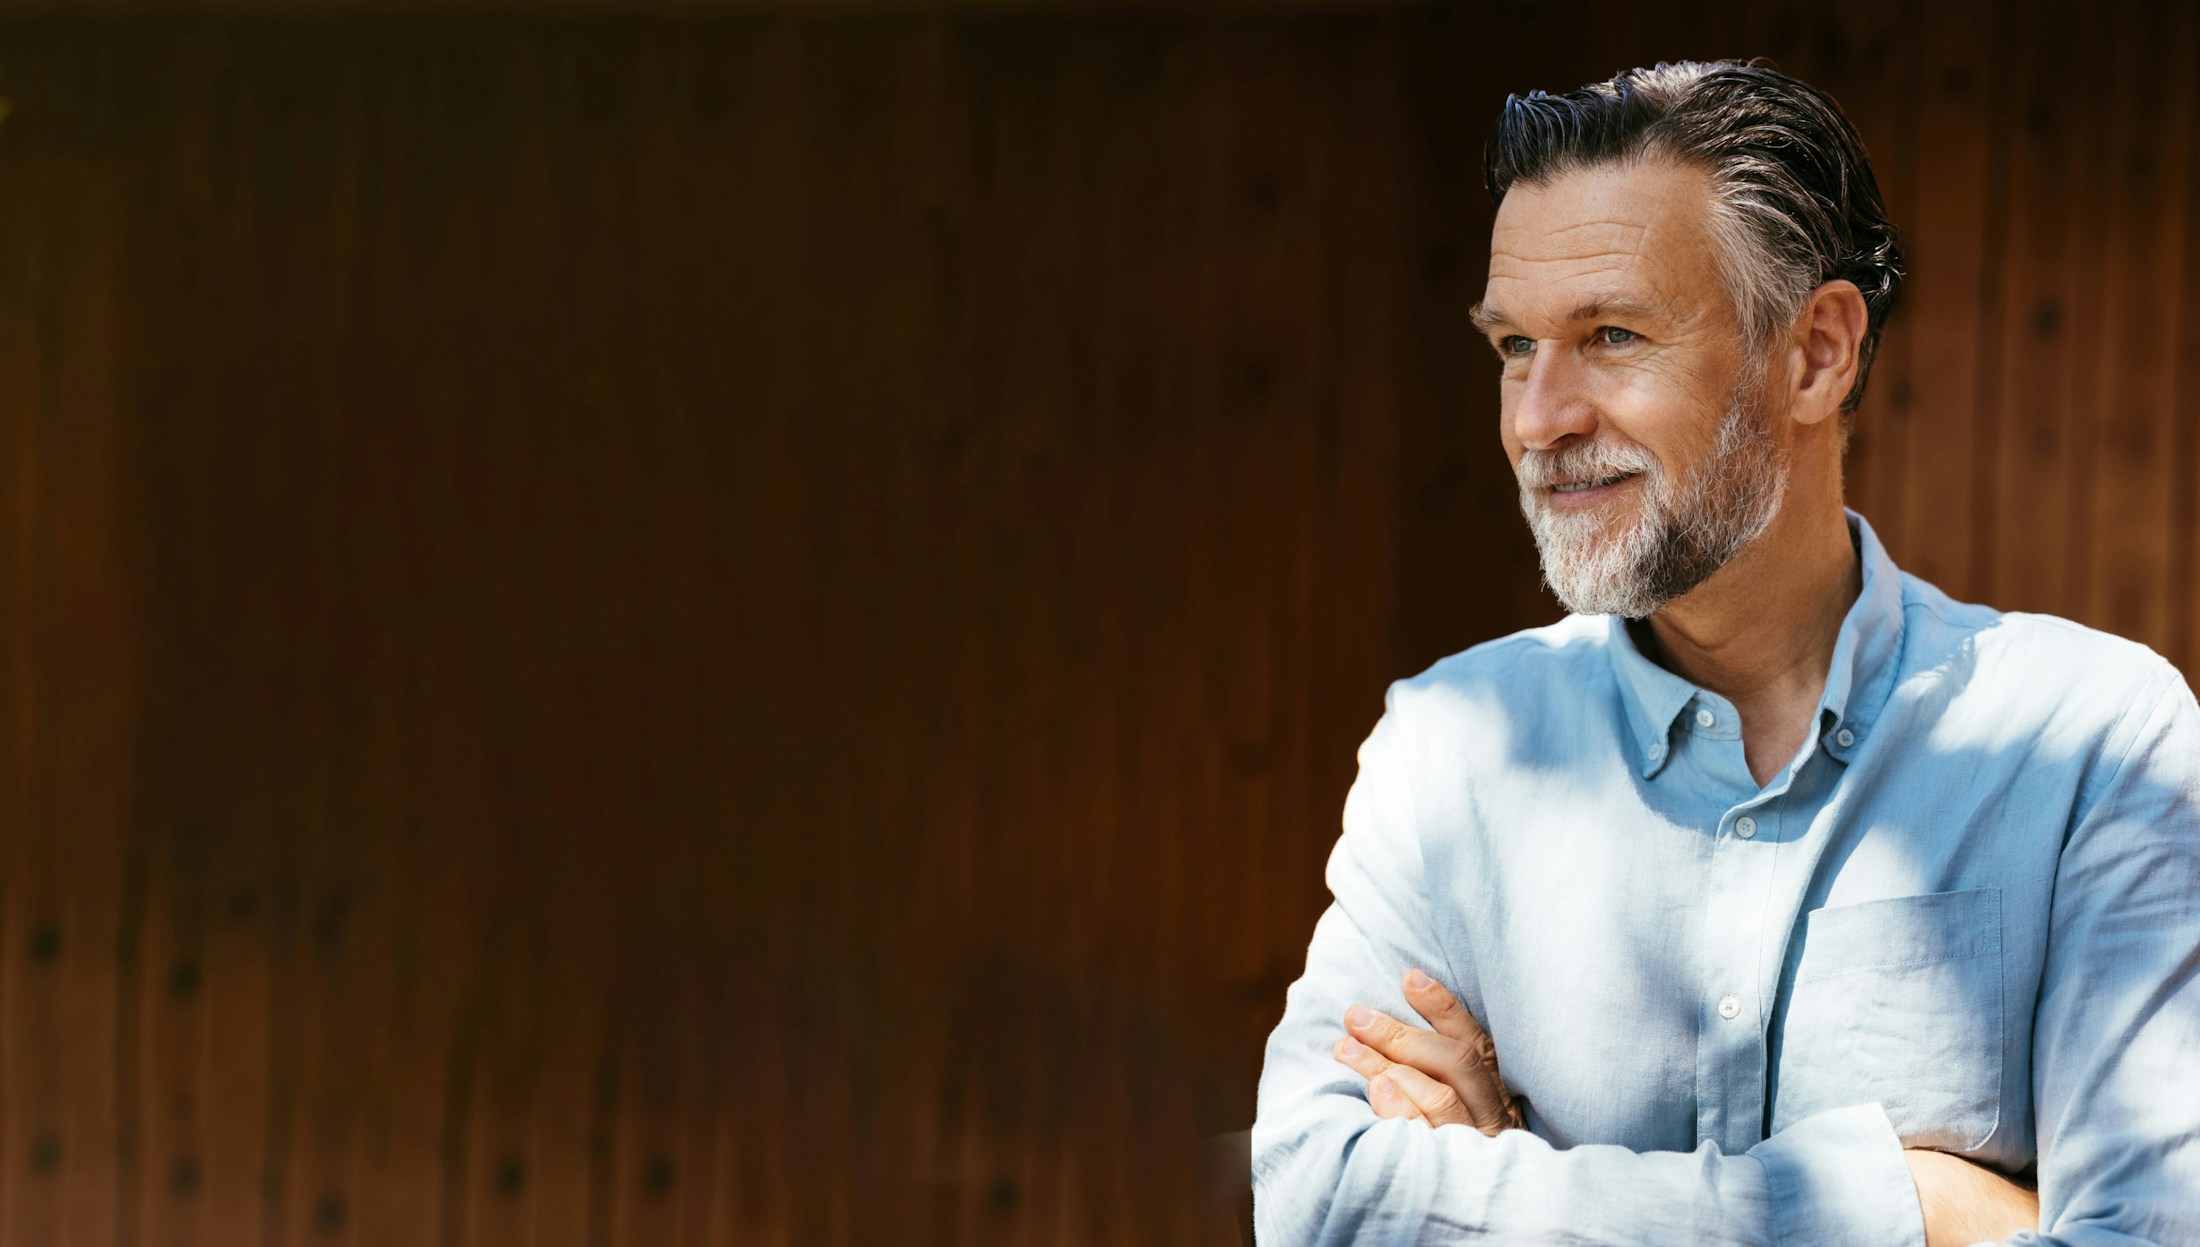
(1799, 903)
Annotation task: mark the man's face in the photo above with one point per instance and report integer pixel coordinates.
(1632, 413)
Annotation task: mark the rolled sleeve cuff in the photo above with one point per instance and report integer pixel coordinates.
(1839, 1177)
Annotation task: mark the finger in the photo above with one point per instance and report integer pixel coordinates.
(1472, 1075)
(1359, 1058)
(1494, 1110)
(1384, 1097)
(1439, 1104)
(1423, 1049)
(1450, 1018)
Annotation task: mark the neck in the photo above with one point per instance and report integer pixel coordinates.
(1761, 631)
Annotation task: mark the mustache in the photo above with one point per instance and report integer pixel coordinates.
(1541, 469)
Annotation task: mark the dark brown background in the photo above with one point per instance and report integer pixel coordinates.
(749, 627)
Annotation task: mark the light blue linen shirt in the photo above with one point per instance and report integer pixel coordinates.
(1965, 917)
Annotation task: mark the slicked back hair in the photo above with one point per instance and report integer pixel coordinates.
(1794, 202)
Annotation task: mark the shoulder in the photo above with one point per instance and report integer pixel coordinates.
(2043, 650)
(2033, 672)
(1570, 651)
(1516, 689)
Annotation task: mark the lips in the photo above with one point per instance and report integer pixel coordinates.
(1575, 487)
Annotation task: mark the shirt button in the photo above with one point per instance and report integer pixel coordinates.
(1844, 738)
(1657, 750)
(1745, 827)
(1729, 1007)
(1705, 718)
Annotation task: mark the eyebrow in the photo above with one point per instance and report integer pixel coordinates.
(1487, 317)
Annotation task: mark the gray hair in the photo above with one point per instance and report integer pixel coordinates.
(1794, 202)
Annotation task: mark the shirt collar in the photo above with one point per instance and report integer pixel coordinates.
(1866, 653)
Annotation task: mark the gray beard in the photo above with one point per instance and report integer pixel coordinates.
(1684, 531)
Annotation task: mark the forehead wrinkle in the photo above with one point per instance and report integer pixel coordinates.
(1634, 235)
(1600, 223)
(1615, 272)
(1625, 227)
(1578, 257)
(1606, 286)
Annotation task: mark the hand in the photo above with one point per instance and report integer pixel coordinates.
(1437, 1077)
(1967, 1203)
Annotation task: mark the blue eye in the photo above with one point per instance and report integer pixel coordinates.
(1514, 344)
(1613, 335)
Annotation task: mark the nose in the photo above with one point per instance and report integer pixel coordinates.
(1552, 403)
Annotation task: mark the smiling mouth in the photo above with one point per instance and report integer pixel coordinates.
(1580, 486)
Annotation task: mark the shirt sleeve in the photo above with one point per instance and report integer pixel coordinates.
(1327, 1170)
(2117, 1029)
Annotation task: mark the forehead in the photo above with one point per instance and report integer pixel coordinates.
(1615, 234)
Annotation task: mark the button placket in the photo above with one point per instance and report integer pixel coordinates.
(1731, 1058)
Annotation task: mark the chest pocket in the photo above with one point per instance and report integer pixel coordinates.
(1900, 1001)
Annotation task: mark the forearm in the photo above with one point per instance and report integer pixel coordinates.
(1326, 1174)
(1964, 1203)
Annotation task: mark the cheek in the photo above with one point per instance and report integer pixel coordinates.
(1677, 423)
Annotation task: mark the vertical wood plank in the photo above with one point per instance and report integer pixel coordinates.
(30, 932)
(1953, 219)
(2185, 429)
(61, 1057)
(2032, 517)
(2151, 124)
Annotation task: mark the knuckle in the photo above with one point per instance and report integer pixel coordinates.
(1389, 1103)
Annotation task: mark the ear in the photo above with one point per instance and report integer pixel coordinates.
(1827, 347)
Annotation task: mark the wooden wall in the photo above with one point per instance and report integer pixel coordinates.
(750, 629)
